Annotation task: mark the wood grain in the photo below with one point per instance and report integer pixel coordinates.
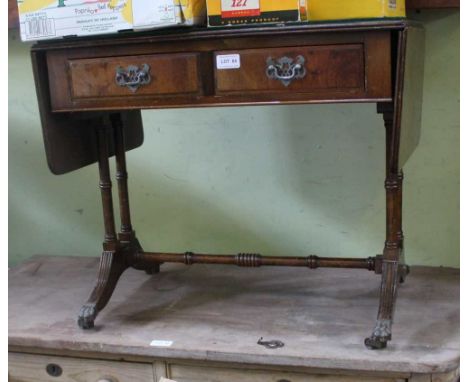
(191, 36)
(171, 74)
(453, 376)
(218, 313)
(329, 69)
(203, 373)
(70, 140)
(343, 67)
(431, 4)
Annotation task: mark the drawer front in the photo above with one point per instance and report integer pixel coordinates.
(38, 368)
(329, 67)
(308, 69)
(192, 373)
(167, 74)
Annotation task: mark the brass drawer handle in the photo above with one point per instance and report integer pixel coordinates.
(286, 69)
(133, 77)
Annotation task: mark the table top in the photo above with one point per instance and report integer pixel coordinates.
(218, 313)
(202, 32)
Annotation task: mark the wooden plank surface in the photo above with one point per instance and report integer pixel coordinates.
(218, 313)
(203, 373)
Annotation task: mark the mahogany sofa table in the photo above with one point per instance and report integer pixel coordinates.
(91, 91)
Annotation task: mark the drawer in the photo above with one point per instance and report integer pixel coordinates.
(39, 368)
(194, 373)
(336, 68)
(360, 69)
(126, 77)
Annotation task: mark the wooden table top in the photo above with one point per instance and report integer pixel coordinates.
(199, 33)
(219, 313)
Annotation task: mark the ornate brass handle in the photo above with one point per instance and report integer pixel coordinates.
(133, 77)
(286, 69)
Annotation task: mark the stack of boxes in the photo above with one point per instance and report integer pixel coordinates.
(47, 19)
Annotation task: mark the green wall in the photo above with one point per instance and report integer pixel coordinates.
(290, 180)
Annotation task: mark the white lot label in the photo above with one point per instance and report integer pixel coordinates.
(228, 61)
(161, 343)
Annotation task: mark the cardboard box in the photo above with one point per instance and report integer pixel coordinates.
(322, 10)
(242, 12)
(49, 19)
(163, 13)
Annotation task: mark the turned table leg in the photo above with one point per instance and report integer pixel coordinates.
(403, 269)
(127, 234)
(126, 230)
(393, 270)
(113, 261)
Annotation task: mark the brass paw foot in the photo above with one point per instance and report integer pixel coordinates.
(380, 336)
(376, 343)
(110, 268)
(86, 316)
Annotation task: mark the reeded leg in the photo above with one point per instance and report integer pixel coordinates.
(393, 271)
(403, 268)
(113, 260)
(110, 269)
(382, 332)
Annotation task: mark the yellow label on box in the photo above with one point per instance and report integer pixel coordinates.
(318, 10)
(239, 12)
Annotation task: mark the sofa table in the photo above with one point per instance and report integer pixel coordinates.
(91, 91)
(203, 324)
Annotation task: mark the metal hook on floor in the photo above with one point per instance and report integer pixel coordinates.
(273, 344)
